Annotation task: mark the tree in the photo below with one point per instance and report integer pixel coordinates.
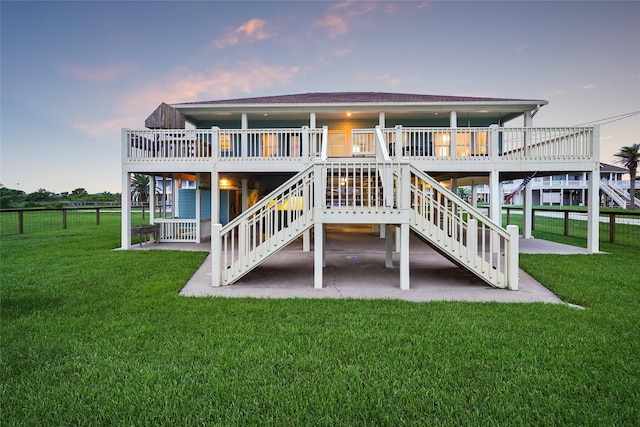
(140, 187)
(464, 193)
(630, 157)
(79, 194)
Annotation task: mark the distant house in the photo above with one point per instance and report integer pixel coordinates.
(266, 171)
(569, 189)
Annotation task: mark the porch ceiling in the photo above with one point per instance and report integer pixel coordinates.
(502, 112)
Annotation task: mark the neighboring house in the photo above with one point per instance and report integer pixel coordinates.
(568, 189)
(271, 169)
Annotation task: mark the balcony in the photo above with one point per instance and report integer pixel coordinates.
(254, 149)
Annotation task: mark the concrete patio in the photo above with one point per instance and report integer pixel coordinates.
(355, 269)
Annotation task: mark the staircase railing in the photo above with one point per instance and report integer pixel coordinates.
(625, 193)
(611, 192)
(266, 227)
(463, 233)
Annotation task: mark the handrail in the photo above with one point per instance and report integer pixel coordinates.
(463, 232)
(264, 228)
(430, 143)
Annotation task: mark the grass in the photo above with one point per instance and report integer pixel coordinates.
(92, 336)
(550, 228)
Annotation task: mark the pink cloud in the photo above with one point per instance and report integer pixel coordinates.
(184, 85)
(252, 30)
(335, 25)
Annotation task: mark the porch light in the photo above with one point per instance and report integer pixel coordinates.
(349, 114)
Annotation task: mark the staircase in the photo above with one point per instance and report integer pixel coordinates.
(462, 233)
(365, 191)
(618, 195)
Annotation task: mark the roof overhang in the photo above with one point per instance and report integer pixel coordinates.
(500, 109)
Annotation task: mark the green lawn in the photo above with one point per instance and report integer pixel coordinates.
(92, 336)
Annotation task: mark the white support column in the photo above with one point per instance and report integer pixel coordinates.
(312, 120)
(216, 259)
(318, 254)
(593, 212)
(397, 149)
(453, 123)
(245, 194)
(125, 232)
(593, 202)
(243, 138)
(512, 258)
(527, 211)
(198, 207)
(175, 197)
(388, 246)
(474, 195)
(495, 197)
(382, 119)
(215, 197)
(152, 198)
(404, 257)
(454, 186)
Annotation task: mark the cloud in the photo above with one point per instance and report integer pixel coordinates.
(339, 15)
(335, 25)
(252, 30)
(588, 86)
(184, 85)
(102, 73)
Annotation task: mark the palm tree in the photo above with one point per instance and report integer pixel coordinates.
(140, 187)
(630, 157)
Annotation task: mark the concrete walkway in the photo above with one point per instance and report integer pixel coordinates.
(355, 259)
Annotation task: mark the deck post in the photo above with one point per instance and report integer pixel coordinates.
(512, 258)
(243, 138)
(593, 212)
(593, 203)
(527, 211)
(305, 143)
(125, 233)
(404, 256)
(453, 122)
(388, 244)
(398, 143)
(495, 204)
(318, 254)
(198, 207)
(216, 267)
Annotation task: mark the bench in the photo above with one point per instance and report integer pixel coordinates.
(146, 230)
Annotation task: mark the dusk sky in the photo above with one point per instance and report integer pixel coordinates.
(74, 73)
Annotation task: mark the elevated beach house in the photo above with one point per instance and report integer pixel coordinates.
(265, 171)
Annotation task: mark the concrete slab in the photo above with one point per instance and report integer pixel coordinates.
(355, 268)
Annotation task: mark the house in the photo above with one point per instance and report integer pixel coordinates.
(568, 189)
(269, 170)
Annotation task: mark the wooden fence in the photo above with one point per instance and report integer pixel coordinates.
(620, 227)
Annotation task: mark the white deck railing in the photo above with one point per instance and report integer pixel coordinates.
(266, 227)
(546, 143)
(463, 232)
(183, 230)
(305, 144)
(358, 186)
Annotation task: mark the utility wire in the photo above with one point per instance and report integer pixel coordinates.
(611, 119)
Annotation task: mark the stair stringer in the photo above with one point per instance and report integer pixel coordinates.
(268, 226)
(461, 232)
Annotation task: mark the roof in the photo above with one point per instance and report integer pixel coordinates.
(359, 98)
(606, 167)
(364, 105)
